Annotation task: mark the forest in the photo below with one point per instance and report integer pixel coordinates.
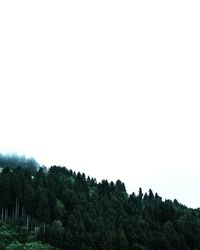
(61, 209)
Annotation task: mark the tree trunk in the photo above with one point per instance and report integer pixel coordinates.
(23, 211)
(2, 212)
(35, 228)
(13, 214)
(27, 221)
(16, 209)
(6, 213)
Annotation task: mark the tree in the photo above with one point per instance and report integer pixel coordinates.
(5, 189)
(122, 240)
(58, 234)
(59, 209)
(140, 195)
(43, 210)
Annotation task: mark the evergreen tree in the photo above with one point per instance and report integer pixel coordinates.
(69, 211)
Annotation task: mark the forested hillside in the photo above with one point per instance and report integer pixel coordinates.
(62, 209)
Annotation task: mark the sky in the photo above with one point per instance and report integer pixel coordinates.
(108, 88)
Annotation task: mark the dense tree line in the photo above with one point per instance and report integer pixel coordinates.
(68, 210)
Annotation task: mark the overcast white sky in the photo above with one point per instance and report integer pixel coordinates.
(109, 88)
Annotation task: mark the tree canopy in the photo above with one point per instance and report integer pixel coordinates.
(61, 209)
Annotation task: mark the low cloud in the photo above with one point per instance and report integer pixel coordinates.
(14, 161)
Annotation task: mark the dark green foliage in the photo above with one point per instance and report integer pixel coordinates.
(71, 211)
(29, 246)
(12, 233)
(43, 210)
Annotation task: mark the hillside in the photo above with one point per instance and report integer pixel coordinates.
(62, 209)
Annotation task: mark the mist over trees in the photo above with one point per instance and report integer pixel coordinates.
(61, 209)
(14, 161)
